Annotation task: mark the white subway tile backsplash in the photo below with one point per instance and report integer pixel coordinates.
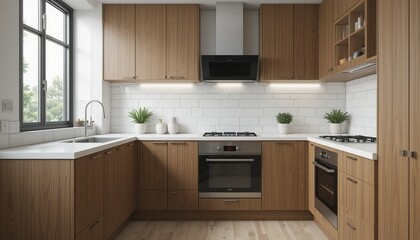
(209, 103)
(229, 121)
(268, 103)
(229, 103)
(248, 121)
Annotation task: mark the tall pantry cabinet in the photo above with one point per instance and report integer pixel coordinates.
(398, 124)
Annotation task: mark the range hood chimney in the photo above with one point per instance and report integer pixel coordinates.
(229, 28)
(229, 64)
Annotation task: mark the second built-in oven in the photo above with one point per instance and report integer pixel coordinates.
(229, 169)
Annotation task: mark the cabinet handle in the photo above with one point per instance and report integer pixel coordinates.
(330, 69)
(94, 224)
(403, 153)
(413, 154)
(290, 77)
(176, 77)
(351, 226)
(97, 156)
(159, 142)
(352, 158)
(120, 148)
(130, 144)
(231, 200)
(164, 77)
(109, 152)
(178, 143)
(129, 78)
(173, 192)
(352, 180)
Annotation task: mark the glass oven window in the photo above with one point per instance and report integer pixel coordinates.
(326, 188)
(229, 175)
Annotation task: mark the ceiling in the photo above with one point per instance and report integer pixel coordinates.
(204, 4)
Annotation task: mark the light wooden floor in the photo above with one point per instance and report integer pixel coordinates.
(222, 230)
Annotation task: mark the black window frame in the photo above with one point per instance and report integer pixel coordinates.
(68, 59)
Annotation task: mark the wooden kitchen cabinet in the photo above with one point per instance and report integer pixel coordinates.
(311, 178)
(398, 114)
(342, 6)
(94, 231)
(230, 204)
(288, 42)
(119, 42)
(151, 42)
(168, 176)
(89, 190)
(326, 42)
(284, 176)
(121, 186)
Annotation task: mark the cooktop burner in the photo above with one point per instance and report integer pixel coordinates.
(229, 134)
(350, 138)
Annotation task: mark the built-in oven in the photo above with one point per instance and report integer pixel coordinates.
(326, 184)
(229, 169)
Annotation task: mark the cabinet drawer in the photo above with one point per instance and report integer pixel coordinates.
(352, 227)
(230, 204)
(361, 168)
(357, 197)
(95, 231)
(182, 200)
(153, 200)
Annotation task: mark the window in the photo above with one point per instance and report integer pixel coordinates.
(46, 58)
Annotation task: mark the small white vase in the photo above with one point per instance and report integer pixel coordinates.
(173, 128)
(140, 128)
(160, 128)
(335, 128)
(284, 128)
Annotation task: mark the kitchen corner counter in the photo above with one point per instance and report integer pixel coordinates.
(60, 150)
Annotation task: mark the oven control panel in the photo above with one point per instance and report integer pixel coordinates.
(229, 148)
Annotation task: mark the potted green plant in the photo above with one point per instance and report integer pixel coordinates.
(336, 118)
(140, 118)
(284, 120)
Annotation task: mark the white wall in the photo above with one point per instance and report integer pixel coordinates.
(361, 103)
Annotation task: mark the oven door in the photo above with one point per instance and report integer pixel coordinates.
(229, 176)
(326, 190)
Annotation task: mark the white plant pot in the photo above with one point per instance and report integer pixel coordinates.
(284, 128)
(160, 128)
(140, 128)
(173, 128)
(335, 128)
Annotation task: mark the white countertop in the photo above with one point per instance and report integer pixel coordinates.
(59, 150)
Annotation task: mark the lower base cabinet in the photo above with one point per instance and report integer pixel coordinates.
(229, 204)
(182, 200)
(95, 231)
(153, 200)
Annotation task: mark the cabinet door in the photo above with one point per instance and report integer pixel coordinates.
(151, 41)
(326, 44)
(119, 41)
(311, 178)
(131, 177)
(393, 119)
(342, 6)
(281, 184)
(183, 48)
(113, 212)
(182, 200)
(183, 166)
(95, 231)
(276, 42)
(153, 166)
(153, 200)
(88, 185)
(305, 41)
(414, 119)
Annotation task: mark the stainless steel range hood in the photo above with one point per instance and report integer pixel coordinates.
(229, 64)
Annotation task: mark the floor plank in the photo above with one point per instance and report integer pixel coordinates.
(222, 230)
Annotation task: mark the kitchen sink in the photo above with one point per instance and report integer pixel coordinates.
(91, 140)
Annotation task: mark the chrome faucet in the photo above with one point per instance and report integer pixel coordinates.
(103, 110)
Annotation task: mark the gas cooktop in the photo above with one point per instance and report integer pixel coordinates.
(229, 134)
(350, 138)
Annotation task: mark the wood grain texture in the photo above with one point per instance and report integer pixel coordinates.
(414, 119)
(326, 42)
(182, 165)
(354, 228)
(151, 41)
(276, 53)
(229, 230)
(311, 177)
(153, 200)
(305, 42)
(153, 161)
(229, 204)
(302, 181)
(36, 199)
(183, 44)
(88, 190)
(131, 178)
(183, 200)
(342, 6)
(280, 176)
(393, 122)
(94, 231)
(119, 36)
(358, 167)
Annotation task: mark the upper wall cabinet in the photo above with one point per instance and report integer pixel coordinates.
(288, 42)
(341, 7)
(164, 38)
(326, 52)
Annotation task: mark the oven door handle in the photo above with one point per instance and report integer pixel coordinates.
(323, 168)
(229, 159)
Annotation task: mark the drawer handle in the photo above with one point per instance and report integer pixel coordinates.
(109, 152)
(120, 148)
(351, 226)
(231, 200)
(352, 158)
(173, 192)
(178, 143)
(159, 142)
(97, 156)
(94, 224)
(131, 144)
(176, 77)
(352, 180)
